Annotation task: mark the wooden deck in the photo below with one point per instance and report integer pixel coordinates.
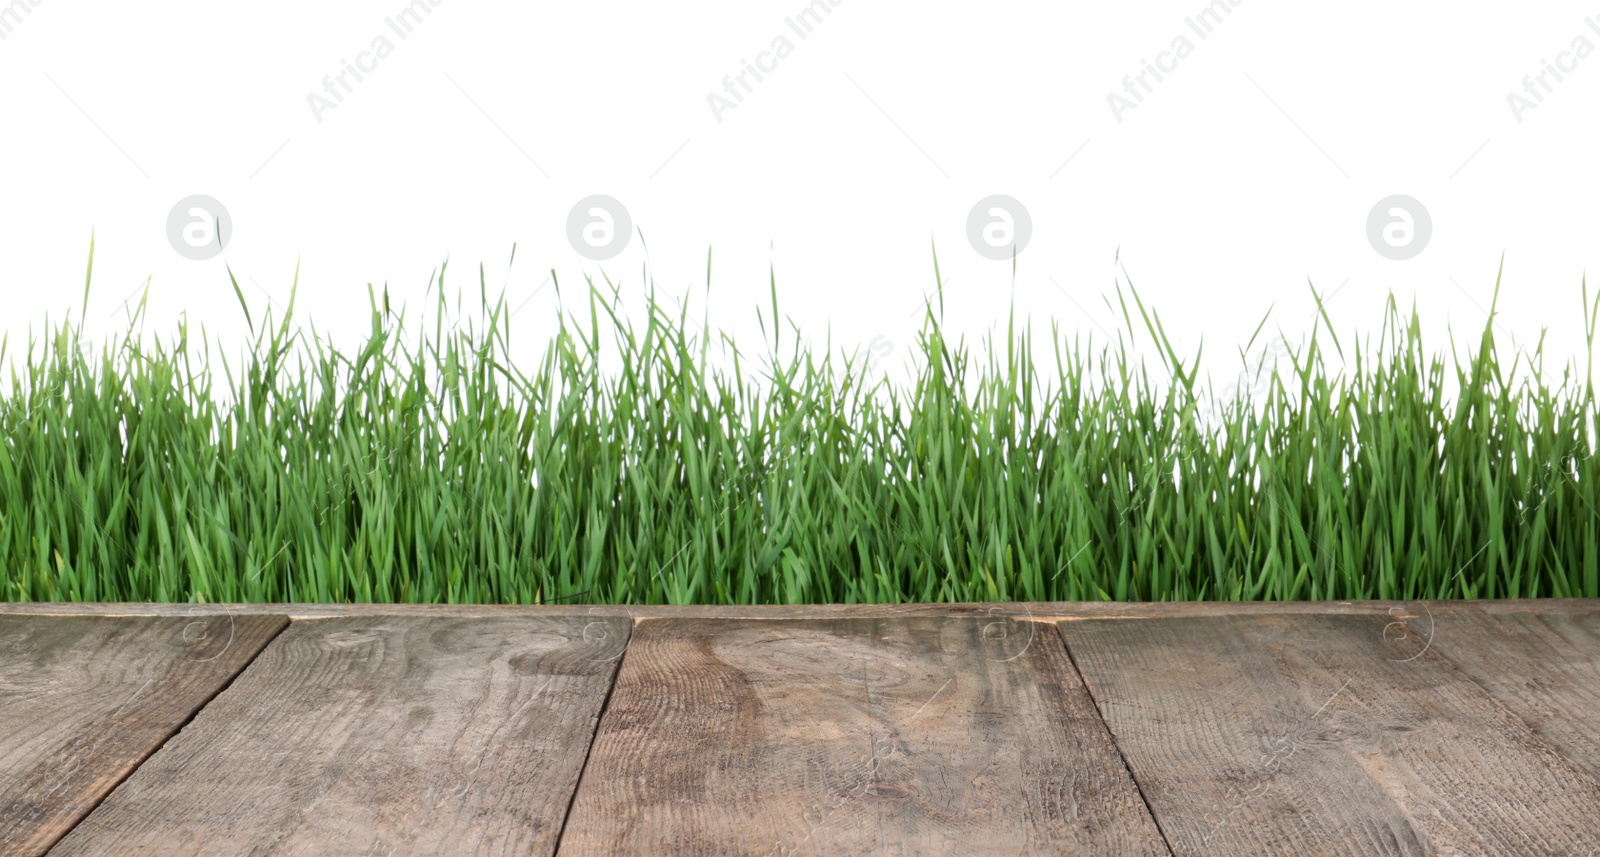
(1367, 728)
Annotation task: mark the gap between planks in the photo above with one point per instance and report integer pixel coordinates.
(1094, 702)
(134, 769)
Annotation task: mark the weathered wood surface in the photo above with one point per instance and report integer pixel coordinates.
(913, 735)
(1028, 611)
(1326, 735)
(1544, 668)
(1305, 728)
(378, 735)
(84, 700)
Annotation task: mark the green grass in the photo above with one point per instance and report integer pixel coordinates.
(422, 466)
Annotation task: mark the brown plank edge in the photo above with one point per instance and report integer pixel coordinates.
(1034, 611)
(907, 735)
(84, 700)
(1336, 735)
(378, 735)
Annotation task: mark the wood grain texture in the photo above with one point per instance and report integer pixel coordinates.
(1326, 735)
(377, 735)
(1544, 668)
(926, 736)
(1026, 611)
(84, 700)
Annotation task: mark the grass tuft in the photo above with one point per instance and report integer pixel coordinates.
(429, 468)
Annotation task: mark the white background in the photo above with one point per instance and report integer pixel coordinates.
(1247, 173)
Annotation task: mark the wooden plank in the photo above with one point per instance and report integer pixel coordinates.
(377, 735)
(853, 736)
(1325, 735)
(1047, 611)
(1544, 668)
(84, 700)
